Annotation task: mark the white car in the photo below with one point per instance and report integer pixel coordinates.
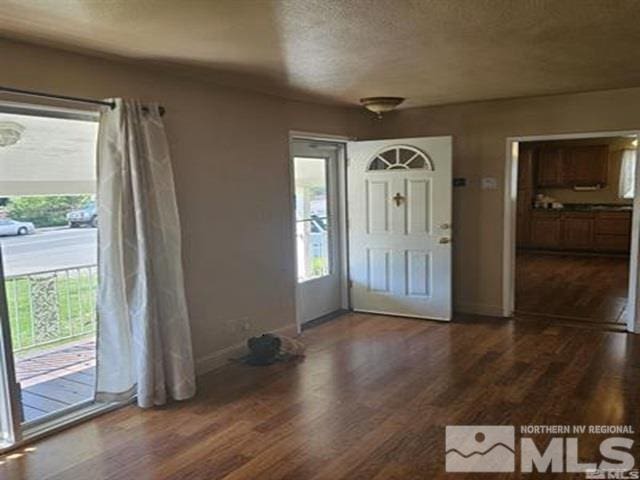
(14, 227)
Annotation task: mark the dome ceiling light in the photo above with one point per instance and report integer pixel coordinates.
(380, 105)
(10, 133)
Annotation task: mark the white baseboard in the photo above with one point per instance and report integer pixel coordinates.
(222, 357)
(480, 309)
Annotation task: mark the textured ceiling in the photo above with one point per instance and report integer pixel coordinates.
(336, 51)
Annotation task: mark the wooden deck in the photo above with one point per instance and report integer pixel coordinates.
(56, 394)
(56, 379)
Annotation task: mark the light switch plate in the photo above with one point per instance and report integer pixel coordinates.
(489, 183)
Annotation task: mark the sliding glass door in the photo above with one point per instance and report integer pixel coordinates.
(48, 235)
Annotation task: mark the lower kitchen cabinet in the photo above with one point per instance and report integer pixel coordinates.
(545, 230)
(599, 231)
(577, 230)
(613, 231)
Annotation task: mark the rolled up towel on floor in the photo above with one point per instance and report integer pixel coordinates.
(268, 349)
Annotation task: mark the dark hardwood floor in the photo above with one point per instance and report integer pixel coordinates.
(370, 401)
(577, 287)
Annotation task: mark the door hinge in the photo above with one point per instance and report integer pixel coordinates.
(348, 162)
(350, 283)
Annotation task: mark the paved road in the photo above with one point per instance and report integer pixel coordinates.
(49, 250)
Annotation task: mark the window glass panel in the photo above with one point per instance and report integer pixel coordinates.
(377, 164)
(399, 158)
(417, 162)
(312, 217)
(406, 155)
(313, 252)
(628, 174)
(390, 156)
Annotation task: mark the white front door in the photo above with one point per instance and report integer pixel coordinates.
(319, 270)
(400, 226)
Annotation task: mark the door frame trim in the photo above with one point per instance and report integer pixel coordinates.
(10, 396)
(509, 221)
(341, 191)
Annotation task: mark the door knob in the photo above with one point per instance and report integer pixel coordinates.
(444, 240)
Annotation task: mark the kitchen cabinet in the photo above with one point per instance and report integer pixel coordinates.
(613, 231)
(545, 229)
(577, 230)
(550, 172)
(586, 165)
(523, 220)
(525, 195)
(595, 231)
(568, 167)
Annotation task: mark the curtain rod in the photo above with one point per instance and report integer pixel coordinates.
(31, 93)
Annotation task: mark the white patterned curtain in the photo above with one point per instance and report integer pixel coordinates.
(143, 340)
(627, 174)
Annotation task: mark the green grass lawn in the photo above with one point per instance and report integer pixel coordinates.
(74, 304)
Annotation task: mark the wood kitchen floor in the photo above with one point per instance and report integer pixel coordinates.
(371, 400)
(581, 288)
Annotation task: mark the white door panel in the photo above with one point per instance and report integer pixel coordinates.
(418, 195)
(377, 204)
(399, 219)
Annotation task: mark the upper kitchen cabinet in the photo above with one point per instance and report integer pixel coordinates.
(550, 172)
(568, 167)
(586, 166)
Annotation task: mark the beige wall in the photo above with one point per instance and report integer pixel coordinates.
(230, 157)
(480, 131)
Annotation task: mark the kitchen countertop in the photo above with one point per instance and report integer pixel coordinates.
(586, 207)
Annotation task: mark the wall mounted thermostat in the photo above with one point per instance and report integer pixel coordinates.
(459, 182)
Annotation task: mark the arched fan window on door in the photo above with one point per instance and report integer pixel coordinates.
(400, 158)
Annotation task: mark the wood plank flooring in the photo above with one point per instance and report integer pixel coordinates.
(578, 287)
(370, 401)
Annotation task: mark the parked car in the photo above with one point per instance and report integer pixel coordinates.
(86, 216)
(9, 226)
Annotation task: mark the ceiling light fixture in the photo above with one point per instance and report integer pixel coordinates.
(10, 133)
(380, 105)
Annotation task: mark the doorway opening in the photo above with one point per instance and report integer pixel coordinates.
(572, 239)
(48, 241)
(317, 168)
